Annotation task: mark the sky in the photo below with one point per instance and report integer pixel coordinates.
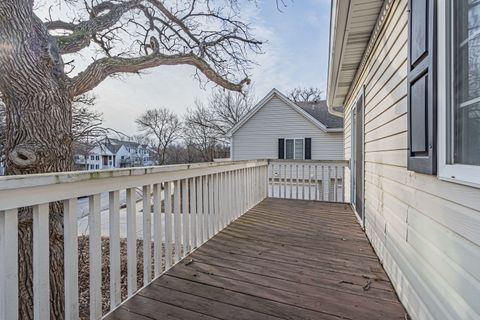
(295, 55)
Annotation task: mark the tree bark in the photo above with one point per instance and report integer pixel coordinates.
(38, 132)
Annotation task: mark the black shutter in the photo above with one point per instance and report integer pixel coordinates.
(281, 148)
(421, 87)
(308, 148)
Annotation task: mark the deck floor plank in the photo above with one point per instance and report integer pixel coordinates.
(284, 259)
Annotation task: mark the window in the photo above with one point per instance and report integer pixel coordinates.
(92, 157)
(465, 111)
(97, 158)
(459, 108)
(294, 149)
(97, 166)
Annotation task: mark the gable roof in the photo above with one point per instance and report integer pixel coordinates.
(314, 117)
(319, 110)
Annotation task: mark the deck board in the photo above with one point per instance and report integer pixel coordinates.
(284, 259)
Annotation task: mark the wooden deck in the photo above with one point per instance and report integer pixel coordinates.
(284, 259)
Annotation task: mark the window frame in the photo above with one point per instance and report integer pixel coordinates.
(448, 171)
(294, 148)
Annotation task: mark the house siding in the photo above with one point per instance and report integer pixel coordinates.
(425, 231)
(258, 137)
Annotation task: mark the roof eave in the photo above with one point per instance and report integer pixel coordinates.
(338, 24)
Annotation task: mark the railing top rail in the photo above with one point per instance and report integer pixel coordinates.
(43, 179)
(344, 162)
(27, 190)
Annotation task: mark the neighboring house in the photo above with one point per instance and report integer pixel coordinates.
(407, 74)
(111, 153)
(278, 128)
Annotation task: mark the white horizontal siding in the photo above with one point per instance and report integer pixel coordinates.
(258, 137)
(424, 230)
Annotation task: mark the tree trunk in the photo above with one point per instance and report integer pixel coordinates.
(38, 132)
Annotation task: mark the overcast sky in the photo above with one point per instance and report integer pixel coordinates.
(296, 55)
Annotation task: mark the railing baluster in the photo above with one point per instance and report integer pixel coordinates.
(157, 228)
(296, 181)
(131, 241)
(316, 182)
(231, 197)
(221, 201)
(326, 186)
(70, 258)
(200, 210)
(272, 181)
(335, 185)
(193, 212)
(303, 181)
(211, 213)
(168, 225)
(41, 263)
(309, 182)
(185, 218)
(147, 235)
(217, 180)
(342, 185)
(205, 209)
(236, 199)
(9, 264)
(95, 261)
(177, 220)
(114, 247)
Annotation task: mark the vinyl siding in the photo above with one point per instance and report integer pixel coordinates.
(425, 231)
(258, 137)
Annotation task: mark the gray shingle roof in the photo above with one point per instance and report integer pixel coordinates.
(319, 111)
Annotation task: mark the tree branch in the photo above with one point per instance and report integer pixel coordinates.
(102, 68)
(82, 33)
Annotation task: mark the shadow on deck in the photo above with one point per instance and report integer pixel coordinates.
(284, 259)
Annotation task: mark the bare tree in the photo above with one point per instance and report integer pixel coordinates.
(199, 133)
(228, 108)
(126, 36)
(163, 127)
(305, 94)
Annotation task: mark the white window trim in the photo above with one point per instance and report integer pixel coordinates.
(285, 148)
(458, 173)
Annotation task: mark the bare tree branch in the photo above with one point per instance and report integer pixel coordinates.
(101, 69)
(305, 94)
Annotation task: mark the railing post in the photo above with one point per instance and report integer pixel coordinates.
(9, 264)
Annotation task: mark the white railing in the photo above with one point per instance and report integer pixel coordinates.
(307, 180)
(191, 203)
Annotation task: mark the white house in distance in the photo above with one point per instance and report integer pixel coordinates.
(112, 153)
(278, 128)
(407, 74)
